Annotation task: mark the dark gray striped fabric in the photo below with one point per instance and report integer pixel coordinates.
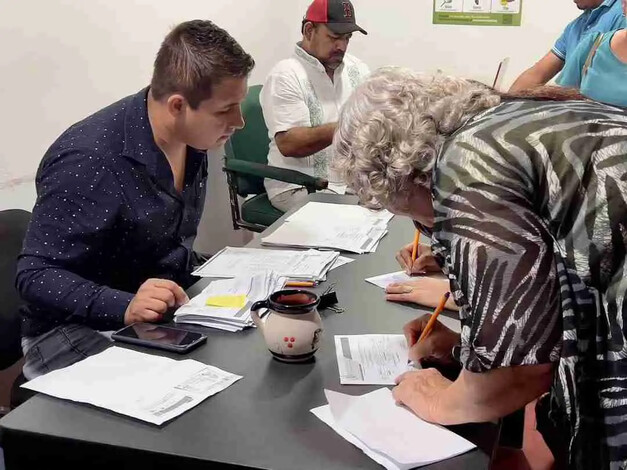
(530, 204)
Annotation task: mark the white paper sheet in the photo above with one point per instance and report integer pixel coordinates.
(341, 261)
(393, 431)
(385, 280)
(371, 359)
(147, 387)
(323, 413)
(234, 262)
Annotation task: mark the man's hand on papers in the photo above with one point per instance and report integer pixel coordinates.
(153, 299)
(425, 262)
(437, 347)
(420, 391)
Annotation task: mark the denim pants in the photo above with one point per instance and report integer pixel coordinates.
(61, 347)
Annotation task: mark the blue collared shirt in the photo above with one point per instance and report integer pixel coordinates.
(606, 78)
(107, 218)
(606, 17)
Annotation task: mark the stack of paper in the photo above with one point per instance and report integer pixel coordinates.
(389, 434)
(225, 304)
(151, 388)
(233, 262)
(347, 212)
(336, 226)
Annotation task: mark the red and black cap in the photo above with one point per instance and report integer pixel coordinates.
(338, 15)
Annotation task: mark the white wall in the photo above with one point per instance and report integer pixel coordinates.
(402, 33)
(61, 60)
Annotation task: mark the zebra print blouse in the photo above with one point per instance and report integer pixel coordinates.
(530, 204)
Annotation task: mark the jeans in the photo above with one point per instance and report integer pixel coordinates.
(61, 347)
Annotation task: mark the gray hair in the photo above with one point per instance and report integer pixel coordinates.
(391, 130)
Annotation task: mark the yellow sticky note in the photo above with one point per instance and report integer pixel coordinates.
(226, 301)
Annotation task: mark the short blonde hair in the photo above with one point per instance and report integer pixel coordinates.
(393, 126)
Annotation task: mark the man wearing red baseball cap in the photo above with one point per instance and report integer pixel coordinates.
(339, 16)
(303, 94)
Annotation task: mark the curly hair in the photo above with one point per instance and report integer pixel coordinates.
(391, 129)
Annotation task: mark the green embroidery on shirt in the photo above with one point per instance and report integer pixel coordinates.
(316, 117)
(354, 75)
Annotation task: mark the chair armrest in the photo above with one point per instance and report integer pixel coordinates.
(281, 174)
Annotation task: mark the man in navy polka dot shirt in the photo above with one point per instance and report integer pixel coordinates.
(119, 199)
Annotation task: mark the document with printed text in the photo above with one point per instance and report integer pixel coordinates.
(346, 227)
(371, 359)
(236, 262)
(151, 388)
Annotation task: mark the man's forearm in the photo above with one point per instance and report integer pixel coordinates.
(528, 80)
(301, 142)
(540, 74)
(72, 298)
(481, 397)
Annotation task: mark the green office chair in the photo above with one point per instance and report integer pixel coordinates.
(246, 166)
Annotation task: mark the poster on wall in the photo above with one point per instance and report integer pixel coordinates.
(478, 12)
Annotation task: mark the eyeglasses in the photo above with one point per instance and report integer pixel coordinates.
(422, 229)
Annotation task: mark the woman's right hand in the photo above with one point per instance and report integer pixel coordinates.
(436, 347)
(425, 262)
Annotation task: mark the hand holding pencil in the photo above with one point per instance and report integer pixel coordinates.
(429, 339)
(415, 258)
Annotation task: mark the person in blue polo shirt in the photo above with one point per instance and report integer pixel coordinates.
(599, 16)
(119, 199)
(598, 67)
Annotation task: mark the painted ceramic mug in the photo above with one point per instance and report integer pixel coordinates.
(293, 328)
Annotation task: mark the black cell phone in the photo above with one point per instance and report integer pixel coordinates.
(160, 337)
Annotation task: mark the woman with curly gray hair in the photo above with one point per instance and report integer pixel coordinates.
(525, 200)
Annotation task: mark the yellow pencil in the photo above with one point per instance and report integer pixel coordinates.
(434, 317)
(414, 252)
(300, 284)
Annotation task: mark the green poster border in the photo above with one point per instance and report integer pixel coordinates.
(477, 19)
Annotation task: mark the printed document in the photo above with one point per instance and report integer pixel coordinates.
(321, 211)
(150, 388)
(235, 262)
(332, 226)
(371, 359)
